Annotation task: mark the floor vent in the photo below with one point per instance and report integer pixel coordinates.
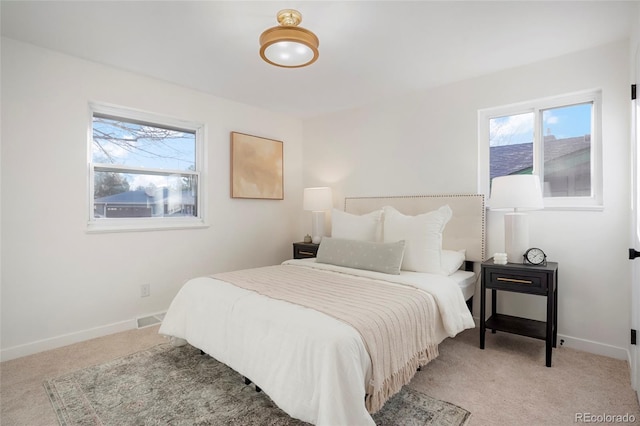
(150, 320)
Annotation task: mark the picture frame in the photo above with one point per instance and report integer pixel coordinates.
(257, 167)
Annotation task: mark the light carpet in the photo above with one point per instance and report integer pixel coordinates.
(165, 385)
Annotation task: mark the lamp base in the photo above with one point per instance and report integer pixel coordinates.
(516, 236)
(317, 226)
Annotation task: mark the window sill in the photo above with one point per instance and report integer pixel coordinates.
(575, 208)
(579, 208)
(142, 225)
(593, 204)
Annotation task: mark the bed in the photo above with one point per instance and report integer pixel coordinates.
(316, 365)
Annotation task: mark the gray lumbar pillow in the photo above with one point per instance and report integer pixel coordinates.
(379, 257)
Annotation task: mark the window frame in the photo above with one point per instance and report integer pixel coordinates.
(592, 202)
(99, 225)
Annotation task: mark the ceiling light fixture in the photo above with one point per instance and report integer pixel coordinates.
(288, 45)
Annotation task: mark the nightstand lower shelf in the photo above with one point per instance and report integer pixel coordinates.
(516, 325)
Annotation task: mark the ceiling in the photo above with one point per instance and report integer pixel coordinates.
(368, 50)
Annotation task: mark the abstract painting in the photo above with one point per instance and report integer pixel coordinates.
(256, 167)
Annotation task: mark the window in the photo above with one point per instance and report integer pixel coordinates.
(556, 139)
(144, 171)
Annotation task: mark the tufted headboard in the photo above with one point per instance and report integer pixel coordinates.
(465, 230)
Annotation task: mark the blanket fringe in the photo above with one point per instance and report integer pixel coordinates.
(377, 396)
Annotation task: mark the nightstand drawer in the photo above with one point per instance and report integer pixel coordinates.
(525, 282)
(305, 250)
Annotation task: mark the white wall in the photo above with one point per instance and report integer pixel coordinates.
(426, 143)
(60, 284)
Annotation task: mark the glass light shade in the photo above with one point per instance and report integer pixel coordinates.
(289, 54)
(519, 192)
(317, 199)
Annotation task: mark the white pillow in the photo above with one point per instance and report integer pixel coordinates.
(423, 234)
(451, 261)
(353, 227)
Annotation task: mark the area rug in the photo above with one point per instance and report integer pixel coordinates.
(166, 385)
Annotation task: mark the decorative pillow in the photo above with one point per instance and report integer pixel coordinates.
(451, 261)
(423, 236)
(379, 257)
(353, 227)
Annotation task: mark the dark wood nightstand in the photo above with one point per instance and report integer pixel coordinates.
(305, 250)
(520, 278)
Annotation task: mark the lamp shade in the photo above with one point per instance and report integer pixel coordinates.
(317, 199)
(519, 192)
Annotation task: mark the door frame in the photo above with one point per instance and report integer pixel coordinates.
(634, 352)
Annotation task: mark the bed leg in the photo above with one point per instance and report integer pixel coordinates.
(248, 382)
(470, 304)
(201, 352)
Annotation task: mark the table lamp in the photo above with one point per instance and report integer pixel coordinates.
(516, 193)
(317, 200)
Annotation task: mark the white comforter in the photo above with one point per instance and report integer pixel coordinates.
(311, 365)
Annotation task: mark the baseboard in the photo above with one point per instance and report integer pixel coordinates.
(588, 346)
(594, 347)
(68, 339)
(64, 340)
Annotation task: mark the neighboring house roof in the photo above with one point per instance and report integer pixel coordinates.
(510, 159)
(556, 148)
(127, 197)
(140, 196)
(514, 159)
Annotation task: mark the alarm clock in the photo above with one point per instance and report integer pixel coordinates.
(535, 256)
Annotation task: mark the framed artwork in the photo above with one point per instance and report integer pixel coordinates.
(256, 167)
